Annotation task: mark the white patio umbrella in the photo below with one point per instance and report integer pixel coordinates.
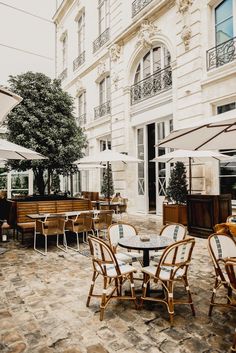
(217, 132)
(108, 157)
(9, 150)
(190, 156)
(8, 101)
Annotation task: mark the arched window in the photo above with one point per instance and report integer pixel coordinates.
(153, 74)
(156, 59)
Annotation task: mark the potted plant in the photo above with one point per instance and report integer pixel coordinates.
(175, 209)
(107, 188)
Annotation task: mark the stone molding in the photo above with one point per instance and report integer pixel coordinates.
(146, 32)
(183, 5)
(186, 36)
(115, 52)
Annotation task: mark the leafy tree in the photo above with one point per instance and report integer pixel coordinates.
(44, 122)
(107, 192)
(177, 189)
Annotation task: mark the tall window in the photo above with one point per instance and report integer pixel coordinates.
(104, 90)
(155, 60)
(228, 169)
(82, 104)
(81, 33)
(140, 147)
(224, 21)
(103, 15)
(64, 51)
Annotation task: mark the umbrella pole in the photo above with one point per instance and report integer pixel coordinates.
(190, 175)
(108, 184)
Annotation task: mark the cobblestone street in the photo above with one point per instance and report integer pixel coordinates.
(42, 307)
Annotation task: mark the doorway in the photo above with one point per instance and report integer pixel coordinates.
(151, 136)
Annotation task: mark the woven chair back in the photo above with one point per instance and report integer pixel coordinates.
(118, 231)
(175, 231)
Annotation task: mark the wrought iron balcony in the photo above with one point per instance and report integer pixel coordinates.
(79, 61)
(101, 40)
(151, 86)
(82, 119)
(102, 110)
(138, 5)
(222, 54)
(63, 75)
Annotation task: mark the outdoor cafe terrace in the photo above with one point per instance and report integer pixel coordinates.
(43, 306)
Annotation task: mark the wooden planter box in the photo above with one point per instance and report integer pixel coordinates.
(174, 214)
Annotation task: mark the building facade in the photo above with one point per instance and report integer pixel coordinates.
(137, 69)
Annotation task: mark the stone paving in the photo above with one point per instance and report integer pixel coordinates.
(42, 307)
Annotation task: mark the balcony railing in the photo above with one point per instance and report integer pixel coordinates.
(63, 75)
(222, 54)
(138, 5)
(102, 110)
(101, 40)
(79, 61)
(82, 119)
(152, 85)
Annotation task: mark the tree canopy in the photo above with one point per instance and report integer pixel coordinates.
(44, 122)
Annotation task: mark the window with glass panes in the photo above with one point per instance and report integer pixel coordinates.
(81, 34)
(104, 90)
(82, 104)
(156, 59)
(224, 21)
(140, 147)
(228, 169)
(103, 15)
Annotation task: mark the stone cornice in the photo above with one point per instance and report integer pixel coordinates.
(131, 30)
(61, 11)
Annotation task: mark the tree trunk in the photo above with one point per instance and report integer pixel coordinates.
(39, 180)
(49, 181)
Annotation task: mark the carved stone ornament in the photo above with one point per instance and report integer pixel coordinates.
(115, 79)
(183, 5)
(145, 34)
(115, 52)
(186, 35)
(79, 87)
(171, 3)
(102, 68)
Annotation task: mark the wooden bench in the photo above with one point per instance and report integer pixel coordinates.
(21, 209)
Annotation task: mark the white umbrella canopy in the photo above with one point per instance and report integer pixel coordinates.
(215, 133)
(8, 101)
(191, 156)
(107, 156)
(90, 166)
(9, 150)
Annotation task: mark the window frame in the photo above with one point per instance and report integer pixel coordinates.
(217, 4)
(81, 33)
(101, 4)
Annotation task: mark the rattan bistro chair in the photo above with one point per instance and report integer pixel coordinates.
(173, 267)
(122, 230)
(114, 274)
(230, 267)
(175, 231)
(48, 227)
(102, 221)
(221, 247)
(82, 223)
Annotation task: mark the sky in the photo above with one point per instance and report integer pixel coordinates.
(27, 33)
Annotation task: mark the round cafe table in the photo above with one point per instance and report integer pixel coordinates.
(156, 242)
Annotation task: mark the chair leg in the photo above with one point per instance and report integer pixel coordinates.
(104, 299)
(133, 290)
(170, 302)
(213, 297)
(35, 244)
(91, 288)
(60, 247)
(77, 241)
(190, 300)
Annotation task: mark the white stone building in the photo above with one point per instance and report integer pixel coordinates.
(138, 69)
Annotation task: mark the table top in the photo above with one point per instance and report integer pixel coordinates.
(156, 242)
(35, 216)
